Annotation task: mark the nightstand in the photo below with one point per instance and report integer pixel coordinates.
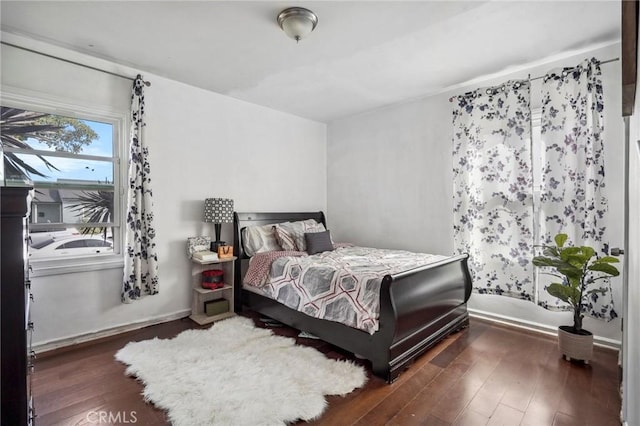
(202, 295)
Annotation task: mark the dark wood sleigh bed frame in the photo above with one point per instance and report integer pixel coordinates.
(418, 308)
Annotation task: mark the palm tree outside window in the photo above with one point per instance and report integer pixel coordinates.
(74, 167)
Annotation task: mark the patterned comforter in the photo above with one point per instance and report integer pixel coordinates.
(342, 285)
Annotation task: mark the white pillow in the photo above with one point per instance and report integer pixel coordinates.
(259, 239)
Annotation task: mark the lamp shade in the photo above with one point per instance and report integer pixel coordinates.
(297, 22)
(218, 210)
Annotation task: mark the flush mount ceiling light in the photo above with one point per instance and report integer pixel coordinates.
(297, 22)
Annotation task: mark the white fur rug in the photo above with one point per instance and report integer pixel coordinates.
(236, 374)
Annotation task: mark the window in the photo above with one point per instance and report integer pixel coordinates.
(72, 157)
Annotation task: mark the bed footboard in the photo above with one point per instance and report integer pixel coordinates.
(426, 305)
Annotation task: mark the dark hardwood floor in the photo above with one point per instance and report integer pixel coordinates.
(485, 375)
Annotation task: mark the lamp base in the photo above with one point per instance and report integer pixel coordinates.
(214, 245)
(217, 242)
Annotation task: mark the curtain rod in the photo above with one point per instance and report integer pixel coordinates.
(146, 83)
(451, 99)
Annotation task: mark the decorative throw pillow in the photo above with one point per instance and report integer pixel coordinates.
(317, 242)
(259, 239)
(285, 237)
(290, 235)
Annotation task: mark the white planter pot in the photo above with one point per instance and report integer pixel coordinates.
(575, 346)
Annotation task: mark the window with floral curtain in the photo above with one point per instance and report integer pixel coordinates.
(573, 199)
(493, 188)
(493, 181)
(140, 257)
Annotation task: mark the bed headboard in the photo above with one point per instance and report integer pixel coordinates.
(242, 220)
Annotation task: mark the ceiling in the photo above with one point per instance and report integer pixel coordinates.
(362, 55)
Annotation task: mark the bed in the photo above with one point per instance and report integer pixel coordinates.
(417, 308)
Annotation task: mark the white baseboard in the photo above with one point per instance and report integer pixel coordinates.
(474, 313)
(87, 337)
(537, 327)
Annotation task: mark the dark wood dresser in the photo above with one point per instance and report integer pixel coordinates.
(15, 297)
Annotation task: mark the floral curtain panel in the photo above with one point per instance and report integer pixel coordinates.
(572, 199)
(493, 189)
(140, 257)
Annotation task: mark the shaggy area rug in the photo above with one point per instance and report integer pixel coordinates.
(237, 374)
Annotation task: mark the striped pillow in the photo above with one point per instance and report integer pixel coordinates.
(290, 235)
(284, 237)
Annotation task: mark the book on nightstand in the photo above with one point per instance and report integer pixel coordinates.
(205, 256)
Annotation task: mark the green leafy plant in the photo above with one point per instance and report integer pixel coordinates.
(579, 268)
(95, 207)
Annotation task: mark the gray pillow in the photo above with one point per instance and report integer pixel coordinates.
(317, 242)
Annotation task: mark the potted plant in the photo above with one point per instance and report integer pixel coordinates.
(580, 269)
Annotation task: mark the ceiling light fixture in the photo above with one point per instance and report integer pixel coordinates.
(297, 22)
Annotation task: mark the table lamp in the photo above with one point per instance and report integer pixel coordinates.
(218, 211)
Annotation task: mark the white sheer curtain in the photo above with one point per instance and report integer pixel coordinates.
(140, 257)
(493, 189)
(573, 197)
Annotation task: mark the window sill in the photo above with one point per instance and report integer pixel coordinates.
(46, 267)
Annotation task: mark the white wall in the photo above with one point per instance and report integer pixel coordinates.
(202, 144)
(391, 169)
